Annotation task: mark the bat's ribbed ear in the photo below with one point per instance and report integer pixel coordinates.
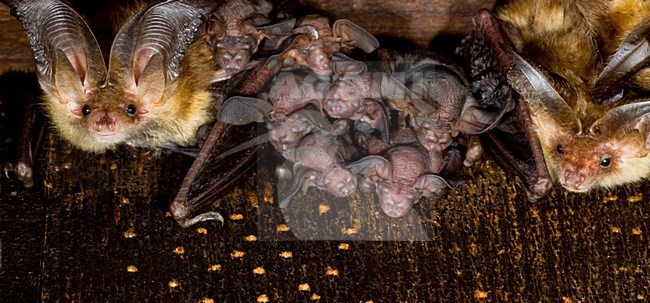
(623, 120)
(151, 45)
(540, 94)
(69, 62)
(632, 56)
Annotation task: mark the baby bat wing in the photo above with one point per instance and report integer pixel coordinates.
(475, 120)
(315, 118)
(631, 56)
(378, 117)
(352, 35)
(277, 33)
(431, 185)
(303, 178)
(239, 110)
(68, 59)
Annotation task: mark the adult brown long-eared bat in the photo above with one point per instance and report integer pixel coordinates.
(579, 129)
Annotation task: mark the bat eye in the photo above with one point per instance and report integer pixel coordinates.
(560, 150)
(606, 162)
(85, 110)
(130, 110)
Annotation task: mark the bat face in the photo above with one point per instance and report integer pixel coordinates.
(233, 53)
(395, 200)
(343, 100)
(340, 181)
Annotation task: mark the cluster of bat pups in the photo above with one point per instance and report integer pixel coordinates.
(555, 90)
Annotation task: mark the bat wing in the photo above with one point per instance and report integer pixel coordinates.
(278, 33)
(432, 185)
(244, 110)
(513, 141)
(303, 178)
(375, 168)
(632, 56)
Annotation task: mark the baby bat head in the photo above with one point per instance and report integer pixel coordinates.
(234, 53)
(339, 181)
(396, 200)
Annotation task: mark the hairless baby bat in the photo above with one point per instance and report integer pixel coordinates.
(320, 160)
(400, 178)
(235, 31)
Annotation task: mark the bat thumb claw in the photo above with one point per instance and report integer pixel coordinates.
(208, 216)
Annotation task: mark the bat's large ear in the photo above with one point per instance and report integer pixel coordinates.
(540, 94)
(343, 65)
(315, 118)
(373, 167)
(352, 35)
(401, 97)
(432, 185)
(622, 120)
(632, 56)
(379, 117)
(244, 110)
(69, 62)
(303, 178)
(148, 49)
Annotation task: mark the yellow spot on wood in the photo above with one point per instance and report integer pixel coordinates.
(168, 214)
(237, 254)
(130, 233)
(215, 267)
(331, 271)
(479, 294)
(637, 231)
(616, 230)
(286, 254)
(236, 217)
(323, 208)
(250, 238)
(315, 297)
(640, 297)
(125, 200)
(201, 231)
(179, 250)
(259, 270)
(344, 246)
(207, 300)
(635, 198)
(282, 228)
(131, 268)
(304, 287)
(113, 166)
(173, 283)
(263, 299)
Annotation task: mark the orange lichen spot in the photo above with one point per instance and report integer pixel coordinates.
(201, 231)
(637, 231)
(131, 268)
(479, 294)
(168, 214)
(331, 271)
(283, 228)
(236, 217)
(314, 297)
(251, 238)
(286, 254)
(207, 300)
(214, 267)
(259, 270)
(323, 208)
(304, 287)
(130, 233)
(615, 230)
(179, 250)
(635, 198)
(237, 254)
(173, 283)
(263, 299)
(344, 246)
(125, 200)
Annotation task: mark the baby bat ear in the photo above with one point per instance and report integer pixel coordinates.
(303, 177)
(540, 94)
(432, 186)
(401, 97)
(277, 33)
(352, 35)
(375, 168)
(378, 116)
(315, 118)
(346, 66)
(243, 110)
(619, 121)
(632, 56)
